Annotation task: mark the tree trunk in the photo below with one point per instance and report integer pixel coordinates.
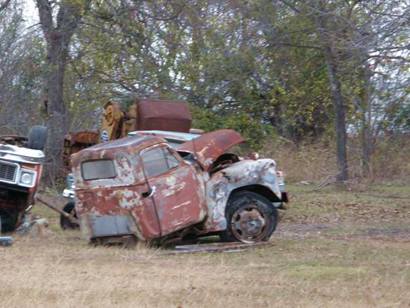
(336, 91)
(57, 120)
(340, 115)
(366, 134)
(58, 30)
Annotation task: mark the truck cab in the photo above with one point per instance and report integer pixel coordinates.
(21, 165)
(136, 186)
(142, 187)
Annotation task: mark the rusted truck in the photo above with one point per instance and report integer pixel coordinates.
(21, 164)
(143, 115)
(150, 189)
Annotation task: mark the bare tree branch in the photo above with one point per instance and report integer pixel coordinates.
(4, 5)
(290, 5)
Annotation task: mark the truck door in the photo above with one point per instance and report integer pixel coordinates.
(175, 187)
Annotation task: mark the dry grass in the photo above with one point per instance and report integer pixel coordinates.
(314, 162)
(322, 255)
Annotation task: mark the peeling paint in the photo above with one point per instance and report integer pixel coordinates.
(184, 198)
(241, 174)
(128, 199)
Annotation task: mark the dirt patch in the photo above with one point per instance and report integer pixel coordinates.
(301, 230)
(341, 231)
(385, 234)
(324, 213)
(382, 213)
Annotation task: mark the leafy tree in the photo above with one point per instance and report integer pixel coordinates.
(298, 68)
(254, 132)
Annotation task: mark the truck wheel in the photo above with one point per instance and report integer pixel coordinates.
(65, 223)
(37, 137)
(250, 218)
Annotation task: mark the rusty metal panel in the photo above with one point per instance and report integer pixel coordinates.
(163, 115)
(158, 203)
(111, 225)
(75, 142)
(128, 202)
(128, 146)
(83, 137)
(179, 198)
(208, 147)
(121, 195)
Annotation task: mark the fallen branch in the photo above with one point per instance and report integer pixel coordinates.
(54, 208)
(330, 179)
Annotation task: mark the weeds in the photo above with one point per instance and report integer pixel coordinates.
(315, 162)
(324, 253)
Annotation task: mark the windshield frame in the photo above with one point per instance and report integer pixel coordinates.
(98, 178)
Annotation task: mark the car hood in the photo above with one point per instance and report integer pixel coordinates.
(208, 147)
(21, 154)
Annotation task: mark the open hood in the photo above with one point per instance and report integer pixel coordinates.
(208, 147)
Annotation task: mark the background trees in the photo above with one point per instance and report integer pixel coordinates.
(300, 70)
(20, 73)
(59, 21)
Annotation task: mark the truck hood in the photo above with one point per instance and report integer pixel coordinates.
(208, 147)
(21, 154)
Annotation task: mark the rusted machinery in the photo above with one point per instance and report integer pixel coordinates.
(143, 114)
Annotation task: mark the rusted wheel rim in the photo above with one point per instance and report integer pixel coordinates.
(249, 224)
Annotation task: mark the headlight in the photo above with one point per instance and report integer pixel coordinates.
(27, 178)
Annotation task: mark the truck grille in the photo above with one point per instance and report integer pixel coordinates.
(8, 172)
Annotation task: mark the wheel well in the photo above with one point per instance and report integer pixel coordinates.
(258, 189)
(223, 161)
(8, 220)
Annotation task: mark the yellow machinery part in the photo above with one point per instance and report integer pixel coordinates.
(112, 120)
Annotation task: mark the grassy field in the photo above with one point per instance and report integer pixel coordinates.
(332, 248)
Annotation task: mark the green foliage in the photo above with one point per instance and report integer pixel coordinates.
(255, 66)
(252, 129)
(239, 61)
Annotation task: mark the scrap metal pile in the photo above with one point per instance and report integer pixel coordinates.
(161, 183)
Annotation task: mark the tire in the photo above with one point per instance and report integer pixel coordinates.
(250, 218)
(37, 137)
(65, 223)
